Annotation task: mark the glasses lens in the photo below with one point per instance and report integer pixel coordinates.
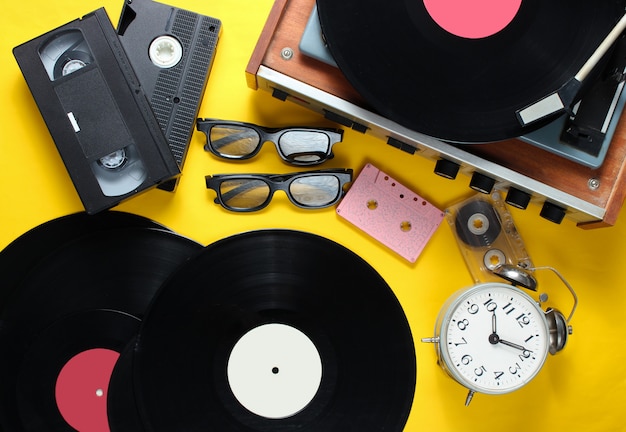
(234, 141)
(315, 191)
(304, 146)
(244, 194)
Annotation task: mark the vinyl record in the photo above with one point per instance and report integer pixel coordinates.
(458, 70)
(236, 325)
(477, 224)
(79, 303)
(122, 410)
(27, 250)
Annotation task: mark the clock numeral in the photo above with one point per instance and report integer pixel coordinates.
(463, 342)
(490, 305)
(498, 375)
(480, 371)
(466, 359)
(515, 369)
(523, 320)
(463, 324)
(529, 338)
(525, 355)
(508, 308)
(472, 309)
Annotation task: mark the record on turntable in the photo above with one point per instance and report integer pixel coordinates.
(274, 330)
(464, 71)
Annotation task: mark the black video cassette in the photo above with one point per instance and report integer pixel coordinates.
(172, 52)
(96, 111)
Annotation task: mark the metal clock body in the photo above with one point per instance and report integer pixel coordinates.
(492, 338)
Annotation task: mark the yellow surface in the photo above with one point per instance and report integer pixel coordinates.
(581, 389)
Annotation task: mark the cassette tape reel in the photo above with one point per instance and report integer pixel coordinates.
(120, 172)
(489, 241)
(96, 111)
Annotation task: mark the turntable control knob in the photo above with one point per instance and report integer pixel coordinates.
(517, 198)
(552, 212)
(446, 168)
(482, 183)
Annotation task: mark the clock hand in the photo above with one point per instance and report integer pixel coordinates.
(513, 345)
(493, 337)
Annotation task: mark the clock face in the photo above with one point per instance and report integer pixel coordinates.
(493, 338)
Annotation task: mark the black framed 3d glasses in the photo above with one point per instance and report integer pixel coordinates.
(251, 192)
(296, 145)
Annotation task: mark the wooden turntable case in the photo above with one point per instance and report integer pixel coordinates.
(590, 197)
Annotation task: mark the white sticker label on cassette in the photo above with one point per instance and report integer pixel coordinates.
(70, 115)
(391, 213)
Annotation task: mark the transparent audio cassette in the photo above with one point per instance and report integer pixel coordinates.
(489, 241)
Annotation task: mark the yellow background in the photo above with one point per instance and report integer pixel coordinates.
(581, 389)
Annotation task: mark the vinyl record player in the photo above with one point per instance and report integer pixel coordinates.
(565, 180)
(584, 136)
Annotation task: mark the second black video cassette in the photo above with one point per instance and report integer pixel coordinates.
(172, 51)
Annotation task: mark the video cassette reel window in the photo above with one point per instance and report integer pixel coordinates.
(66, 56)
(65, 53)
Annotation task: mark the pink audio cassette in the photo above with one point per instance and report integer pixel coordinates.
(390, 212)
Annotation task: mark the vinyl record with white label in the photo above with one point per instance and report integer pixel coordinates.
(275, 330)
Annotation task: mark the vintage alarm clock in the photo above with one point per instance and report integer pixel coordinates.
(494, 338)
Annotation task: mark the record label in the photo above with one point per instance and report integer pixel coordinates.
(81, 389)
(274, 371)
(473, 19)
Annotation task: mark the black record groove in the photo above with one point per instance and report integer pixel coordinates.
(266, 277)
(419, 75)
(477, 224)
(27, 250)
(122, 411)
(88, 292)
